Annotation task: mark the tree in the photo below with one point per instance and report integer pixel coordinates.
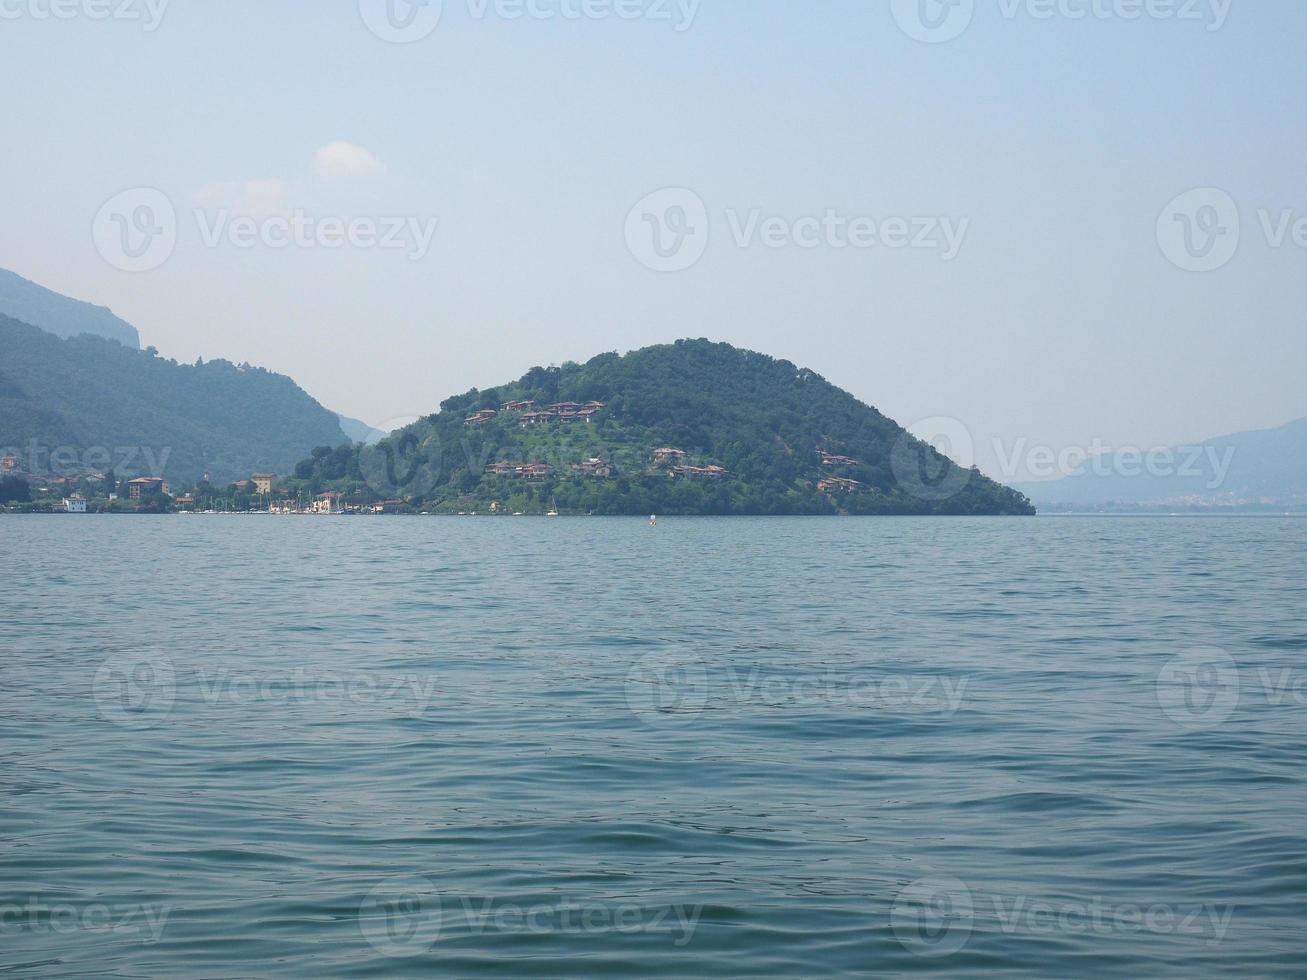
(14, 489)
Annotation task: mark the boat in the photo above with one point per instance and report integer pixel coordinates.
(553, 508)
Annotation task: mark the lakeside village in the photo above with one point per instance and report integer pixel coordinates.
(91, 491)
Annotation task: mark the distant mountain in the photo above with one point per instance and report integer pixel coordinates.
(687, 428)
(360, 431)
(58, 314)
(95, 403)
(1248, 470)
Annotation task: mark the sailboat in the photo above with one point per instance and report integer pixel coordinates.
(553, 508)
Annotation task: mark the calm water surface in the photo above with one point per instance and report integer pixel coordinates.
(265, 747)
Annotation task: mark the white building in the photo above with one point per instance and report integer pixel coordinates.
(74, 505)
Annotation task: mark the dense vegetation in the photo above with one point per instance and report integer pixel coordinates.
(103, 406)
(58, 314)
(764, 420)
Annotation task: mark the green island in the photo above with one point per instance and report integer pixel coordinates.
(690, 428)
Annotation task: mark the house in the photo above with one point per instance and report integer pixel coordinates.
(327, 503)
(263, 482)
(502, 469)
(8, 464)
(829, 460)
(522, 406)
(565, 406)
(698, 472)
(836, 484)
(74, 504)
(595, 405)
(535, 471)
(668, 457)
(387, 506)
(535, 418)
(595, 467)
(480, 418)
(144, 486)
(185, 501)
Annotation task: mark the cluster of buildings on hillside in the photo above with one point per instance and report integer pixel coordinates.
(594, 467)
(837, 484)
(829, 459)
(526, 413)
(675, 461)
(599, 468)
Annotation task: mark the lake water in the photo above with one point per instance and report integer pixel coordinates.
(292, 746)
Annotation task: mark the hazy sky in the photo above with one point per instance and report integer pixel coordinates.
(976, 226)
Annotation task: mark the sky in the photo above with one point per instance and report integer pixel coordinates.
(1020, 225)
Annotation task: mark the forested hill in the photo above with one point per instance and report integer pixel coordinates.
(95, 401)
(747, 434)
(60, 315)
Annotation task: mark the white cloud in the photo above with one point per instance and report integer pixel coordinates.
(256, 198)
(340, 161)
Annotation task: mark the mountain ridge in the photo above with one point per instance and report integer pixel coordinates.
(1251, 469)
(87, 398)
(63, 316)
